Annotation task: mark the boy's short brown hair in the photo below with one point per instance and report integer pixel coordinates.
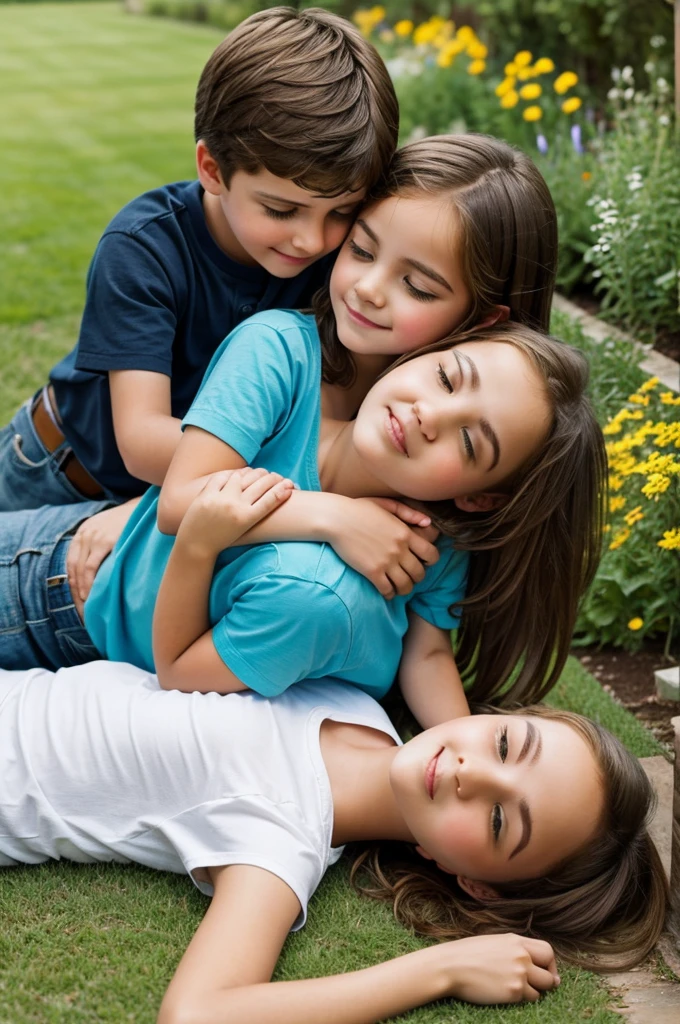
(303, 95)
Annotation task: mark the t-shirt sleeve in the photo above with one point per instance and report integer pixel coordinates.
(131, 311)
(279, 631)
(435, 597)
(248, 390)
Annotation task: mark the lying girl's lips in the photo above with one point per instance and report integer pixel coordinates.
(431, 774)
(395, 432)
(363, 320)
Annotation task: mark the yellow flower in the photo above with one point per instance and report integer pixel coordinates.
(478, 51)
(466, 35)
(543, 66)
(648, 385)
(425, 33)
(634, 516)
(532, 114)
(635, 624)
(671, 540)
(510, 70)
(378, 13)
(565, 81)
(503, 88)
(524, 73)
(404, 28)
(639, 399)
(586, 176)
(511, 99)
(615, 482)
(476, 67)
(668, 398)
(620, 538)
(523, 58)
(530, 92)
(571, 105)
(617, 503)
(657, 483)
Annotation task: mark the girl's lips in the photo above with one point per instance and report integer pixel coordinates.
(431, 774)
(396, 433)
(364, 321)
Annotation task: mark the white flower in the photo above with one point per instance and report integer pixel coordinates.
(597, 273)
(664, 120)
(616, 74)
(627, 74)
(662, 85)
(613, 94)
(649, 66)
(628, 93)
(635, 185)
(657, 41)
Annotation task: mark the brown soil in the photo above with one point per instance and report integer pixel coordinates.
(667, 342)
(629, 678)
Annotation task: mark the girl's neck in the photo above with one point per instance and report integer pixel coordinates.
(342, 403)
(358, 761)
(341, 471)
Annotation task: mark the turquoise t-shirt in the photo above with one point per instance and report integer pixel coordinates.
(280, 612)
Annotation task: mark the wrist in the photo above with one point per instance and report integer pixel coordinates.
(331, 517)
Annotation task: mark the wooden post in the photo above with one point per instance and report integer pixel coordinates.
(674, 922)
(677, 65)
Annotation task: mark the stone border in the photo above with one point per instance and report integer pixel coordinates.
(654, 363)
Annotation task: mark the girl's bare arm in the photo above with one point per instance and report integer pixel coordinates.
(224, 974)
(428, 676)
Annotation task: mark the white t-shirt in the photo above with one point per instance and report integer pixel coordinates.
(97, 763)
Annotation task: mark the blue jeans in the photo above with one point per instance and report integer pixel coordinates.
(30, 476)
(39, 624)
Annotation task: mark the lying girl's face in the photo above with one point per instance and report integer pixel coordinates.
(451, 424)
(497, 798)
(397, 283)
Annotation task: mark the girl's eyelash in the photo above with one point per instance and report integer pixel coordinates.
(358, 251)
(496, 821)
(417, 294)
(279, 214)
(467, 444)
(445, 382)
(503, 743)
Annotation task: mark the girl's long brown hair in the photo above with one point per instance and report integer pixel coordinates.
(532, 559)
(602, 909)
(508, 231)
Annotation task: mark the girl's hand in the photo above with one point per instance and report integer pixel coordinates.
(230, 502)
(94, 539)
(388, 542)
(500, 968)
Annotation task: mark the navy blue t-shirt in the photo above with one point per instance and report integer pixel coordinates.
(161, 296)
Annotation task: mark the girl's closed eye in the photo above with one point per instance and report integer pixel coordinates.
(417, 293)
(496, 821)
(503, 743)
(444, 380)
(279, 214)
(357, 251)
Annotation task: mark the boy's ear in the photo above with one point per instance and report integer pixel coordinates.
(478, 890)
(499, 315)
(484, 502)
(208, 170)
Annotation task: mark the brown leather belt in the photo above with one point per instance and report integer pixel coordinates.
(51, 436)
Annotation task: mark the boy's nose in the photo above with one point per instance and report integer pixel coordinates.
(309, 240)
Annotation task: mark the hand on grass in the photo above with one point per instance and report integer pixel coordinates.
(504, 968)
(230, 503)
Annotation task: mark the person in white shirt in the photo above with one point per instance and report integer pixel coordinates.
(254, 799)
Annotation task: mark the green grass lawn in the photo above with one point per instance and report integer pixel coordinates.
(97, 107)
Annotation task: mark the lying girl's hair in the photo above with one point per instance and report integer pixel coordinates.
(508, 237)
(533, 558)
(602, 909)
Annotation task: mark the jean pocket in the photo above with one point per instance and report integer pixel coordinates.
(76, 646)
(41, 455)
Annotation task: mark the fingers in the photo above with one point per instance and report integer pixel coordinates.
(408, 515)
(541, 953)
(423, 549)
(540, 979)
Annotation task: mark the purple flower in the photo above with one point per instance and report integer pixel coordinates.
(576, 138)
(542, 144)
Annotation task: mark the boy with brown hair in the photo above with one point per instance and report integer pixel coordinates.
(295, 119)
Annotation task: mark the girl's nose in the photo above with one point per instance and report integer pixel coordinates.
(369, 288)
(427, 418)
(476, 777)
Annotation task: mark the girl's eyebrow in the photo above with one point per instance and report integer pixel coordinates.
(533, 737)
